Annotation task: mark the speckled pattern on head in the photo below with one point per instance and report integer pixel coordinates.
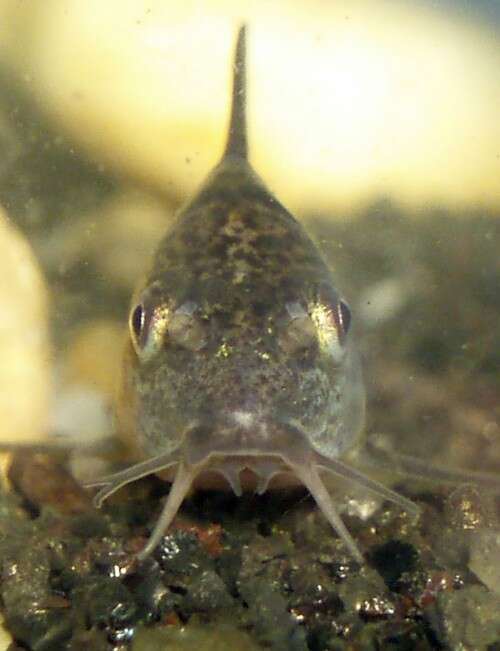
(240, 353)
(241, 261)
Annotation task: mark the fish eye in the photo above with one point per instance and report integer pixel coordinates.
(137, 321)
(332, 319)
(147, 326)
(137, 326)
(344, 317)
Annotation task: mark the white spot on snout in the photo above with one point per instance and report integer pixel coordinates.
(244, 418)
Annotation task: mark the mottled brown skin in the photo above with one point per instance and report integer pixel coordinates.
(239, 257)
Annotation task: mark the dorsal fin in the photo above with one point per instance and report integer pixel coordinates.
(236, 145)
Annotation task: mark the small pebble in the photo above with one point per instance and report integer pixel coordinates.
(44, 481)
(5, 636)
(485, 558)
(468, 618)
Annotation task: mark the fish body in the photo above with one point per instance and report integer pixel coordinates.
(240, 355)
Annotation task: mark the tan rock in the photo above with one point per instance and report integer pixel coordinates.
(5, 637)
(24, 347)
(94, 357)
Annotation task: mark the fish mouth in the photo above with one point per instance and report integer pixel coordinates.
(265, 447)
(248, 455)
(275, 448)
(256, 473)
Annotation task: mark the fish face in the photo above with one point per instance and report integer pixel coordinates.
(245, 336)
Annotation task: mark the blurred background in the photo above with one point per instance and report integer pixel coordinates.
(349, 101)
(375, 122)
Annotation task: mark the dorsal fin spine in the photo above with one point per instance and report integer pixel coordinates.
(236, 145)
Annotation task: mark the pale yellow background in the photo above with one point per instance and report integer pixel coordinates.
(349, 100)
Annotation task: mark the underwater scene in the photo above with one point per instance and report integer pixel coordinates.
(250, 325)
